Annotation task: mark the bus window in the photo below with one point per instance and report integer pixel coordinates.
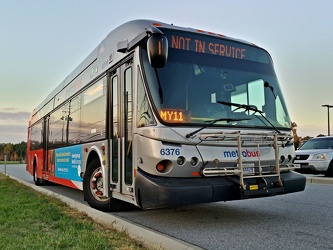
(128, 126)
(93, 112)
(115, 130)
(74, 121)
(57, 129)
(36, 136)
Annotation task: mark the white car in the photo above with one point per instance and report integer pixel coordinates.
(315, 156)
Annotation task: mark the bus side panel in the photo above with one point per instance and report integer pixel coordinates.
(64, 166)
(29, 158)
(62, 175)
(65, 182)
(29, 165)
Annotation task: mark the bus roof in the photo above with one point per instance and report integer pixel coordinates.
(104, 56)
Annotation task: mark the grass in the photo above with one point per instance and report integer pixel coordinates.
(10, 162)
(30, 220)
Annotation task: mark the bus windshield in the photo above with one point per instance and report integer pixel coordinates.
(209, 78)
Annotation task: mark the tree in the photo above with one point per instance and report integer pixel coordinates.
(20, 150)
(8, 150)
(2, 147)
(13, 151)
(296, 138)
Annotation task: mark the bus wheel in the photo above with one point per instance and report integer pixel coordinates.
(93, 187)
(38, 181)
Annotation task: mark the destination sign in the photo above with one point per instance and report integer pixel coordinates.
(214, 45)
(176, 116)
(202, 46)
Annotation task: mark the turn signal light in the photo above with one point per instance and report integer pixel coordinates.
(164, 166)
(160, 167)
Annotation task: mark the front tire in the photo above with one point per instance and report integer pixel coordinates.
(93, 187)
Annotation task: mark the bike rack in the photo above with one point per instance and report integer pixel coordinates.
(260, 172)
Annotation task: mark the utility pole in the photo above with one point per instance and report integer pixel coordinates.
(5, 164)
(328, 116)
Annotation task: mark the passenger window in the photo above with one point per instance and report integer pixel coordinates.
(93, 112)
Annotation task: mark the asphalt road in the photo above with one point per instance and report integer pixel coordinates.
(295, 221)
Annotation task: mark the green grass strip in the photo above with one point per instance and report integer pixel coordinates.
(10, 162)
(30, 220)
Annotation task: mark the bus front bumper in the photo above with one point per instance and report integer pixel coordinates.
(155, 192)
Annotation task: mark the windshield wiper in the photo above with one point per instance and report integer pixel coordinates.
(248, 108)
(214, 121)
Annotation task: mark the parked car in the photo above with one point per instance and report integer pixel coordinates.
(316, 156)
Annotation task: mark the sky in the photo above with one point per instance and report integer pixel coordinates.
(42, 41)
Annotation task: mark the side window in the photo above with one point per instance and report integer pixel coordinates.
(82, 119)
(93, 112)
(74, 120)
(57, 135)
(36, 136)
(281, 116)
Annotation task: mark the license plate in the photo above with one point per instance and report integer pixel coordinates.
(249, 170)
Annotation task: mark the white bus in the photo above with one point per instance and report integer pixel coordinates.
(160, 115)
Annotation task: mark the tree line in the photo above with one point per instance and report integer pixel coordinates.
(14, 152)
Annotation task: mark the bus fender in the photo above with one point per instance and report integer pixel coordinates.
(94, 152)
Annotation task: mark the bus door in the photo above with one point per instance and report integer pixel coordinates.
(121, 178)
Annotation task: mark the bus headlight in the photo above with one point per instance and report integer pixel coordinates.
(282, 159)
(194, 161)
(181, 160)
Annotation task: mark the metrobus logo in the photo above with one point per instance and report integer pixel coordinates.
(245, 153)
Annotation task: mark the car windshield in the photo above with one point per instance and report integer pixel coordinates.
(196, 88)
(320, 143)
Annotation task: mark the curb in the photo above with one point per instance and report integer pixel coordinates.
(145, 236)
(319, 180)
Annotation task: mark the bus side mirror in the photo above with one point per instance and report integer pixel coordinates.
(157, 49)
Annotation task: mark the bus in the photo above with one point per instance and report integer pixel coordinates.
(160, 115)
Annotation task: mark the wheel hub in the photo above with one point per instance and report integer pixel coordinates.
(97, 184)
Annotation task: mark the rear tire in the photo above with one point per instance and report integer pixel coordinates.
(93, 187)
(38, 181)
